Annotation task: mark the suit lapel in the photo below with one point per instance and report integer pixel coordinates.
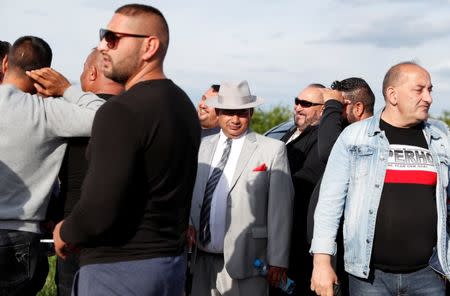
(288, 135)
(248, 148)
(205, 158)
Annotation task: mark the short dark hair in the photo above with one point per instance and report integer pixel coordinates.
(163, 28)
(394, 73)
(29, 53)
(215, 87)
(4, 49)
(356, 90)
(317, 85)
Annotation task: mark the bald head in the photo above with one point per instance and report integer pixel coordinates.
(149, 21)
(407, 93)
(308, 106)
(397, 75)
(94, 59)
(92, 78)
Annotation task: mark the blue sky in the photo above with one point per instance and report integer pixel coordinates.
(278, 46)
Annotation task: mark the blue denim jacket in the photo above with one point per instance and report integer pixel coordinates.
(353, 182)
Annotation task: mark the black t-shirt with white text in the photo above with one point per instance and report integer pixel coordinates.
(405, 231)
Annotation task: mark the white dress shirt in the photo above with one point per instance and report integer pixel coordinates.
(294, 136)
(217, 219)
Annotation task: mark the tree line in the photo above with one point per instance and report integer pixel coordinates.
(263, 120)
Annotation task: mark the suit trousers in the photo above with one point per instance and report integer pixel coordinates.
(210, 278)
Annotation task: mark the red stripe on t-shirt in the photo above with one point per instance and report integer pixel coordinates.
(411, 177)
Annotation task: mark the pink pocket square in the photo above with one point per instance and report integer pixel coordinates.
(261, 168)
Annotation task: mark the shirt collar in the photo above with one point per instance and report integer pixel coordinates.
(223, 138)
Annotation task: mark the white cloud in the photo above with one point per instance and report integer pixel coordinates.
(267, 43)
(394, 31)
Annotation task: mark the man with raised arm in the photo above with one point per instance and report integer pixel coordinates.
(33, 140)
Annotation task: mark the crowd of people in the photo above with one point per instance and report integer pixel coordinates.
(143, 194)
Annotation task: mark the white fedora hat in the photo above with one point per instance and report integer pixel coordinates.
(234, 96)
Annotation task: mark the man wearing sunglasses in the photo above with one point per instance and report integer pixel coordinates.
(306, 170)
(242, 203)
(132, 216)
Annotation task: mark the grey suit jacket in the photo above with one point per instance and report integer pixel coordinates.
(259, 206)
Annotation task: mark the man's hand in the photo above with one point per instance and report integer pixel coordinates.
(331, 94)
(323, 275)
(49, 83)
(275, 275)
(191, 235)
(61, 248)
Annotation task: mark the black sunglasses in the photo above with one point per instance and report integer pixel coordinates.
(238, 112)
(112, 38)
(305, 104)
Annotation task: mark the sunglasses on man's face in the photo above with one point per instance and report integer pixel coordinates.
(112, 38)
(305, 104)
(238, 112)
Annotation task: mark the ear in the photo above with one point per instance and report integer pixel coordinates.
(5, 64)
(391, 96)
(151, 47)
(358, 109)
(93, 73)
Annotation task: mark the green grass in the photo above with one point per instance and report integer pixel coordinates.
(50, 287)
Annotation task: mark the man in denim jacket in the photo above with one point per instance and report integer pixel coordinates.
(390, 173)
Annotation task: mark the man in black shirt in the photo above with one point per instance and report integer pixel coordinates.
(306, 170)
(75, 165)
(132, 217)
(348, 101)
(388, 176)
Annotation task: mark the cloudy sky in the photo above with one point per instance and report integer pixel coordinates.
(278, 46)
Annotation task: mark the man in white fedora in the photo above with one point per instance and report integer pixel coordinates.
(242, 203)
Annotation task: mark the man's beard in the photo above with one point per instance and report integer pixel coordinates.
(120, 76)
(307, 122)
(122, 71)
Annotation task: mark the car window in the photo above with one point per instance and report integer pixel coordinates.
(278, 131)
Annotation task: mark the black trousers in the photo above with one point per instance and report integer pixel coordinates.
(65, 273)
(23, 263)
